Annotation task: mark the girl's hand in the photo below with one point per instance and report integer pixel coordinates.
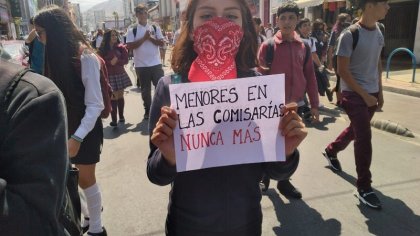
(73, 147)
(292, 128)
(163, 136)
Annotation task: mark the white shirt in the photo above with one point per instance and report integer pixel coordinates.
(311, 42)
(99, 39)
(93, 94)
(147, 54)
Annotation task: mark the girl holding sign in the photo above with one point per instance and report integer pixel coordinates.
(221, 200)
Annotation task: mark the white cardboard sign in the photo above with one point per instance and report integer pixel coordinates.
(228, 122)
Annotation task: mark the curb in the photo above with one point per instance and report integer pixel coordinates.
(388, 88)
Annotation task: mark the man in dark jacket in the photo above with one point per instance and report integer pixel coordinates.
(33, 153)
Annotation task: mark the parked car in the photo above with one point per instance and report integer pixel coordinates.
(14, 51)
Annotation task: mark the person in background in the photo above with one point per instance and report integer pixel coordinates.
(289, 59)
(269, 31)
(97, 39)
(115, 55)
(36, 50)
(73, 66)
(33, 154)
(343, 21)
(162, 49)
(145, 45)
(220, 200)
(261, 37)
(361, 72)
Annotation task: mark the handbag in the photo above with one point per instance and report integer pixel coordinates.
(71, 209)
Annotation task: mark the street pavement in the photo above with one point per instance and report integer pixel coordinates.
(134, 207)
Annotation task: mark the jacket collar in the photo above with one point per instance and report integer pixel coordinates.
(279, 39)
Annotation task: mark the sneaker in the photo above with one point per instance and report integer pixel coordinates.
(332, 161)
(329, 94)
(113, 124)
(288, 190)
(369, 198)
(265, 182)
(103, 233)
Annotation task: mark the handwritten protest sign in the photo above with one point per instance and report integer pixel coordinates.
(228, 122)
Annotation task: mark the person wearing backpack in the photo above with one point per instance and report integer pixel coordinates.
(78, 72)
(145, 39)
(33, 153)
(291, 56)
(359, 66)
(115, 56)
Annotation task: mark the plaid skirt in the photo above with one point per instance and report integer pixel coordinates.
(120, 81)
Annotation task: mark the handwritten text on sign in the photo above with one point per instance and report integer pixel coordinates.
(228, 122)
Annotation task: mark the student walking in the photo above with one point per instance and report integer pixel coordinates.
(220, 200)
(293, 58)
(145, 39)
(361, 72)
(73, 66)
(115, 55)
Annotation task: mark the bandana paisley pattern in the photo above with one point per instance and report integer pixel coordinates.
(216, 42)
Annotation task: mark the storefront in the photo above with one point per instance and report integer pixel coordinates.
(4, 19)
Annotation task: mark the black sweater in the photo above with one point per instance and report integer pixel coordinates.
(214, 201)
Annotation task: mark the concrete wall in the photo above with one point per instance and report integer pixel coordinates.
(417, 39)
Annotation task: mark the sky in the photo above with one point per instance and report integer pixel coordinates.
(86, 4)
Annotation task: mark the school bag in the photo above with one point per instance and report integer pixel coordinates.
(135, 30)
(269, 56)
(106, 88)
(70, 212)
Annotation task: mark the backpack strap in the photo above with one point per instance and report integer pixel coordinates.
(307, 53)
(6, 96)
(269, 55)
(135, 31)
(354, 30)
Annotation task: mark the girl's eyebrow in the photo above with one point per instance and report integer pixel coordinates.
(212, 8)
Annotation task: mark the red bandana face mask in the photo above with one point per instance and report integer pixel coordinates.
(216, 42)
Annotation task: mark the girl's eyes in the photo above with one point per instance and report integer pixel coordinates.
(227, 16)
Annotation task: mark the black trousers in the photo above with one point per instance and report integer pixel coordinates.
(147, 76)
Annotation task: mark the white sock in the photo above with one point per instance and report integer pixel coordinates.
(94, 205)
(85, 212)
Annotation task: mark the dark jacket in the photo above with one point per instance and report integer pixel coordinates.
(213, 201)
(33, 155)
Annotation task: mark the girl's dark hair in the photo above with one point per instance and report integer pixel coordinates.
(302, 21)
(62, 47)
(289, 6)
(318, 25)
(105, 46)
(340, 23)
(183, 53)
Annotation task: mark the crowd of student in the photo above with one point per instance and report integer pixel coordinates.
(49, 122)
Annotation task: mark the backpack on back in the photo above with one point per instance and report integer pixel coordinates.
(269, 56)
(106, 88)
(135, 30)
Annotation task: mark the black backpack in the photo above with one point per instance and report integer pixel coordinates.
(269, 56)
(70, 208)
(135, 30)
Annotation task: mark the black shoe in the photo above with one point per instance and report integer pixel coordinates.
(103, 233)
(146, 115)
(113, 124)
(265, 182)
(287, 189)
(122, 120)
(369, 198)
(85, 229)
(332, 161)
(329, 94)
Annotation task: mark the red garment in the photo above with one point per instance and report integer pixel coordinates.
(119, 51)
(289, 59)
(216, 42)
(332, 6)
